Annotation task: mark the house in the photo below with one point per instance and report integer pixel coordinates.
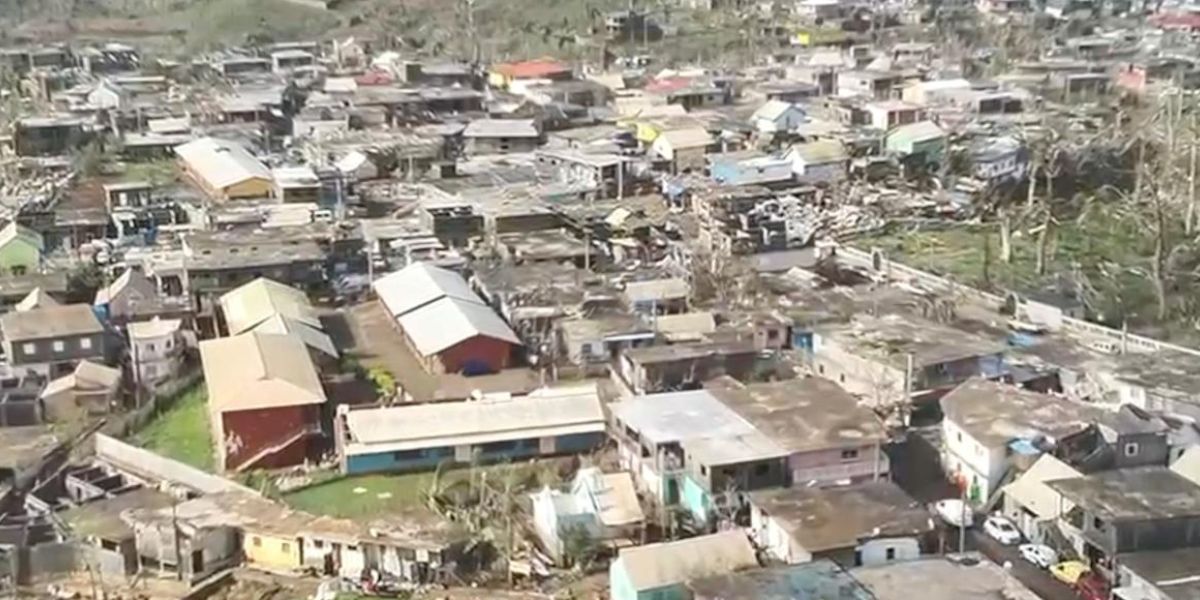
(950, 577)
(596, 340)
(611, 175)
(444, 323)
(817, 579)
(284, 61)
(501, 136)
(922, 141)
(190, 539)
(1157, 575)
(420, 437)
(859, 525)
(108, 95)
(268, 306)
(937, 91)
(604, 506)
(503, 75)
(870, 356)
(50, 135)
(830, 438)
(999, 158)
(879, 85)
(264, 399)
(887, 114)
(219, 261)
(822, 161)
(224, 170)
(51, 340)
(37, 298)
(652, 369)
(156, 350)
(988, 426)
(777, 116)
(107, 541)
(1128, 510)
(296, 185)
(657, 296)
(21, 249)
(133, 296)
(688, 449)
(1034, 506)
(92, 389)
(749, 167)
(661, 571)
(684, 149)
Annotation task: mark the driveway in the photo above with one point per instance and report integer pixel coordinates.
(1037, 580)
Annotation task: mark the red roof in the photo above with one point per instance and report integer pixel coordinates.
(1177, 20)
(375, 78)
(532, 69)
(666, 85)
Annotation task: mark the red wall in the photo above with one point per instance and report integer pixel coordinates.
(491, 351)
(265, 427)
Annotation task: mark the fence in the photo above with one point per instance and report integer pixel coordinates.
(859, 258)
(152, 466)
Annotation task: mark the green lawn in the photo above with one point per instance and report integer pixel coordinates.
(181, 432)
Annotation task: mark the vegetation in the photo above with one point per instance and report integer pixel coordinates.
(385, 383)
(182, 431)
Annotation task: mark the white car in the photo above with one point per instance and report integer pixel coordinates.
(955, 512)
(1002, 530)
(1038, 554)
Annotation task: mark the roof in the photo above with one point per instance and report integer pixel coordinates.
(50, 322)
(618, 500)
(154, 328)
(773, 109)
(15, 232)
(1175, 573)
(221, 163)
(824, 519)
(942, 578)
(802, 415)
(531, 69)
(35, 299)
(670, 563)
(103, 518)
(131, 279)
(449, 321)
(685, 326)
(247, 306)
(916, 132)
(996, 413)
(1188, 465)
(821, 152)
(818, 580)
(890, 338)
(695, 419)
(313, 338)
(94, 375)
(1030, 489)
(511, 128)
(397, 428)
(419, 284)
(656, 289)
(259, 370)
(1132, 494)
(692, 137)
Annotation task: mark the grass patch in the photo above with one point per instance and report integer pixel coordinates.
(182, 432)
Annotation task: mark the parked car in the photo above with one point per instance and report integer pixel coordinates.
(955, 512)
(1039, 554)
(1069, 571)
(1002, 530)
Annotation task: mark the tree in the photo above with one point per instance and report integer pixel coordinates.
(581, 548)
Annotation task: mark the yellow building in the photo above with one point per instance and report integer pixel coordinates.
(225, 170)
(811, 38)
(272, 551)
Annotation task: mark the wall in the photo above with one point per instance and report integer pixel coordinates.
(619, 585)
(73, 349)
(827, 467)
(962, 453)
(250, 188)
(427, 459)
(152, 466)
(877, 383)
(19, 254)
(874, 552)
(51, 559)
(769, 534)
(477, 351)
(260, 429)
(107, 562)
(271, 552)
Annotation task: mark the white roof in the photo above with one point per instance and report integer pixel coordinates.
(221, 163)
(419, 284)
(351, 162)
(250, 304)
(692, 137)
(656, 289)
(313, 338)
(501, 128)
(1188, 465)
(453, 423)
(670, 563)
(169, 125)
(773, 109)
(449, 321)
(341, 85)
(298, 176)
(1031, 491)
(154, 328)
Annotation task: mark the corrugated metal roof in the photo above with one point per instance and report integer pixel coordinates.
(50, 321)
(419, 284)
(512, 128)
(670, 563)
(821, 152)
(692, 137)
(221, 163)
(249, 305)
(448, 321)
(915, 132)
(313, 338)
(259, 370)
(441, 424)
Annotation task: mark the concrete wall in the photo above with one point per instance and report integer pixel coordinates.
(50, 559)
(159, 468)
(875, 552)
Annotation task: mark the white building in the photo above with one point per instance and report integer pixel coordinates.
(777, 116)
(157, 348)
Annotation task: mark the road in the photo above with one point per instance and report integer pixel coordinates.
(1037, 580)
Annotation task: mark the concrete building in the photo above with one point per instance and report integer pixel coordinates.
(662, 570)
(225, 170)
(51, 340)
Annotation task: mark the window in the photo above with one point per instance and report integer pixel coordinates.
(850, 454)
(1097, 523)
(29, 348)
(821, 369)
(960, 436)
(772, 335)
(59, 346)
(1131, 449)
(842, 378)
(257, 542)
(761, 470)
(703, 470)
(85, 343)
(286, 547)
(318, 544)
(149, 347)
(891, 554)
